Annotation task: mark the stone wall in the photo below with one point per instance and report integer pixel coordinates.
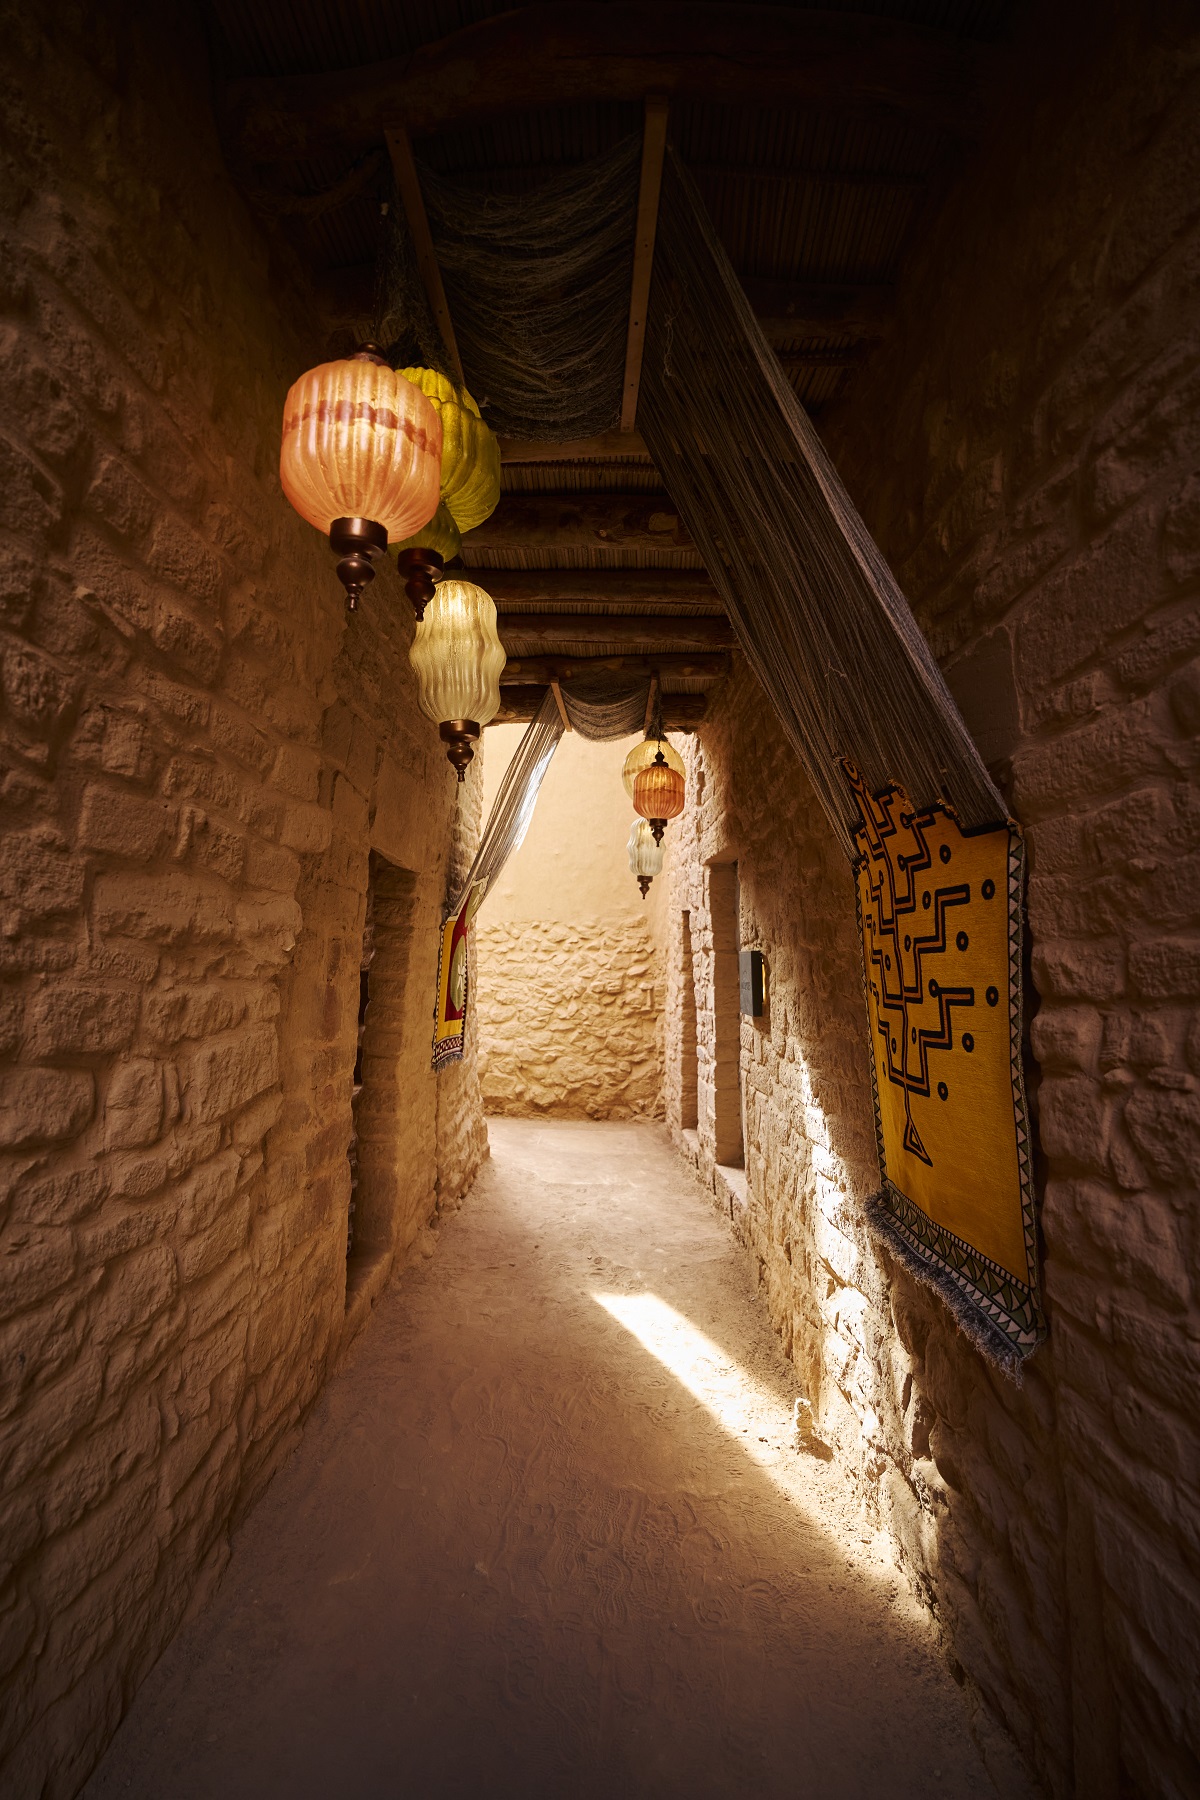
(1037, 493)
(198, 756)
(569, 993)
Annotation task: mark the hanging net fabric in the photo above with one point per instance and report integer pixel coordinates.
(816, 608)
(538, 288)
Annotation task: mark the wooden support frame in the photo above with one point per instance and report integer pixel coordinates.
(654, 146)
(651, 697)
(556, 690)
(408, 185)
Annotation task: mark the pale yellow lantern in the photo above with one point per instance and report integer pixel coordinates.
(458, 656)
(645, 854)
(643, 754)
(360, 459)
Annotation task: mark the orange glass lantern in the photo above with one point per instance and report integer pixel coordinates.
(643, 754)
(361, 459)
(658, 794)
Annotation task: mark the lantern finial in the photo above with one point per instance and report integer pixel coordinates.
(356, 542)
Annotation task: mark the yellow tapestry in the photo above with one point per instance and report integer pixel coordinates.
(940, 916)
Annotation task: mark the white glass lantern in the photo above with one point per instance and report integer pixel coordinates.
(645, 854)
(458, 656)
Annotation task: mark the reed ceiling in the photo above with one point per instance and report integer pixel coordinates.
(817, 201)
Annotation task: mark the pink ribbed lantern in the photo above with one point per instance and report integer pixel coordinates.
(361, 459)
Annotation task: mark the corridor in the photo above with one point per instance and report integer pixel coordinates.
(547, 1534)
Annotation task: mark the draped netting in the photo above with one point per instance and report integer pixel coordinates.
(513, 806)
(538, 288)
(606, 705)
(598, 717)
(817, 611)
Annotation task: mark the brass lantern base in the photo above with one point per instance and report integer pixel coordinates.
(658, 826)
(358, 542)
(644, 883)
(458, 736)
(420, 568)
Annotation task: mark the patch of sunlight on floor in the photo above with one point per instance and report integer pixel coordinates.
(760, 1421)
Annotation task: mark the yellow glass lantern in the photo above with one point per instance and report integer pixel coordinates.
(470, 453)
(645, 854)
(360, 459)
(643, 754)
(458, 656)
(658, 792)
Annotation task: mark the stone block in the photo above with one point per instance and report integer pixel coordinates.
(134, 1103)
(37, 693)
(71, 1020)
(1165, 1127)
(124, 824)
(43, 1106)
(1165, 969)
(225, 1075)
(38, 875)
(168, 908)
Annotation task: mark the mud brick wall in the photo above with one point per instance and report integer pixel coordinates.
(198, 756)
(1026, 451)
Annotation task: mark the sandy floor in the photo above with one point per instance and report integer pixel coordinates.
(547, 1534)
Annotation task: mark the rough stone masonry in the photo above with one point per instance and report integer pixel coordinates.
(199, 754)
(1027, 451)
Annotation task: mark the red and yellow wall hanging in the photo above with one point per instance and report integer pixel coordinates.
(940, 918)
(454, 978)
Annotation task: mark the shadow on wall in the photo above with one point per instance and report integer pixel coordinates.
(568, 997)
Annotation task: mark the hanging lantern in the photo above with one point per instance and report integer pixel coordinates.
(470, 478)
(658, 794)
(458, 657)
(643, 754)
(645, 854)
(422, 557)
(360, 459)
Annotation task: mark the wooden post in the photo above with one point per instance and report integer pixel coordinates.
(654, 145)
(409, 187)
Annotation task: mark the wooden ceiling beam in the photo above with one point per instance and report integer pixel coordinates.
(654, 148)
(580, 522)
(641, 632)
(408, 185)
(660, 588)
(560, 52)
(520, 702)
(690, 664)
